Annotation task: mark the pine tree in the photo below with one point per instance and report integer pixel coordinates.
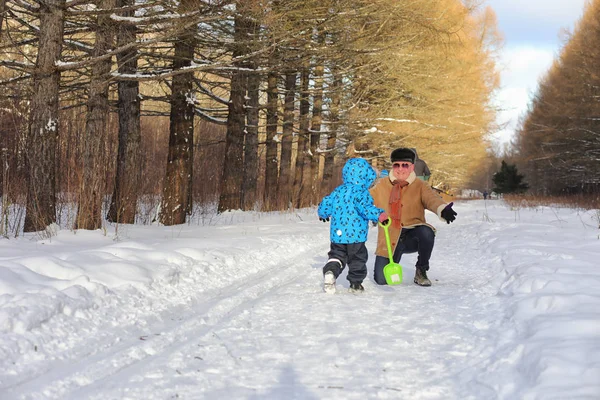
(508, 180)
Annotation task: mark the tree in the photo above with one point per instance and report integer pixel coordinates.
(176, 200)
(232, 180)
(311, 169)
(2, 10)
(561, 126)
(401, 98)
(43, 120)
(91, 190)
(328, 182)
(508, 180)
(271, 173)
(285, 162)
(292, 80)
(301, 187)
(251, 161)
(123, 205)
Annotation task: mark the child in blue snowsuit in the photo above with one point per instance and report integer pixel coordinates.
(350, 207)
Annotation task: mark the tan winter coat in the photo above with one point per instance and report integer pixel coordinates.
(416, 197)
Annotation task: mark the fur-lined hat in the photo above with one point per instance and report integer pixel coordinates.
(403, 154)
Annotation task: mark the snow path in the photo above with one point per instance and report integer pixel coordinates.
(84, 376)
(240, 314)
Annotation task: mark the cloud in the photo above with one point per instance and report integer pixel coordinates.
(532, 29)
(523, 66)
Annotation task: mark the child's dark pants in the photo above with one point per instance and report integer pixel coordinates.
(353, 254)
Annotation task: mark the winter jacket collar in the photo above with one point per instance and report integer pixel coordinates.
(411, 178)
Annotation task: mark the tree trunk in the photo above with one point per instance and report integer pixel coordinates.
(334, 116)
(2, 10)
(43, 120)
(251, 147)
(315, 134)
(3, 167)
(301, 186)
(271, 172)
(231, 194)
(123, 205)
(3, 179)
(284, 183)
(89, 212)
(175, 199)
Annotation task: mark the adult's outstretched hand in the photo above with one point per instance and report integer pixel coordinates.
(448, 213)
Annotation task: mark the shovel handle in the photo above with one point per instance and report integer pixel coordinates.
(387, 239)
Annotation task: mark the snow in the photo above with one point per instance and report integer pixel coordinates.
(190, 98)
(235, 309)
(139, 20)
(60, 63)
(51, 125)
(471, 193)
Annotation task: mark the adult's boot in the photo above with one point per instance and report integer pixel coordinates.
(421, 278)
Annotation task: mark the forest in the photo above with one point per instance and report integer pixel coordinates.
(112, 108)
(557, 146)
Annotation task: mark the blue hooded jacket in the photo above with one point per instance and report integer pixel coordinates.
(350, 205)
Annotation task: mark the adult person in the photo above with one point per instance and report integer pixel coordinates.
(421, 169)
(404, 198)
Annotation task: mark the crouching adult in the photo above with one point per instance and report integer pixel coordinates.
(405, 198)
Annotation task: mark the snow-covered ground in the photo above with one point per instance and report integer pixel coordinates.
(234, 309)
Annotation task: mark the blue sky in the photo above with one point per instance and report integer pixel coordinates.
(532, 32)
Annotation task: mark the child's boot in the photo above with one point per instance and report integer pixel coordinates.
(329, 282)
(356, 287)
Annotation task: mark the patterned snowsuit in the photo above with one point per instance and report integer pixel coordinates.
(350, 207)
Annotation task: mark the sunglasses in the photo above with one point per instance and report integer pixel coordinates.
(401, 165)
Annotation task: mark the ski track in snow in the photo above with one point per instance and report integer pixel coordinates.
(117, 351)
(86, 375)
(272, 333)
(213, 344)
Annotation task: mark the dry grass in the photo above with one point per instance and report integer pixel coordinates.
(583, 202)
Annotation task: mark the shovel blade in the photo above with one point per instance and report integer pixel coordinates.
(393, 273)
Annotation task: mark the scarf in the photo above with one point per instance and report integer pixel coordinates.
(396, 202)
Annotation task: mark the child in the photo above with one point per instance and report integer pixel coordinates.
(350, 207)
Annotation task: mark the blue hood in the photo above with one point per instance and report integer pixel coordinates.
(358, 171)
(350, 206)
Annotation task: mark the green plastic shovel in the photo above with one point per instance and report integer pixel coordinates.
(392, 271)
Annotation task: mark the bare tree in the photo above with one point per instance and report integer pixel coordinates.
(332, 133)
(176, 190)
(230, 198)
(301, 189)
(285, 163)
(271, 173)
(368, 79)
(311, 176)
(2, 11)
(91, 190)
(43, 120)
(250, 175)
(123, 205)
